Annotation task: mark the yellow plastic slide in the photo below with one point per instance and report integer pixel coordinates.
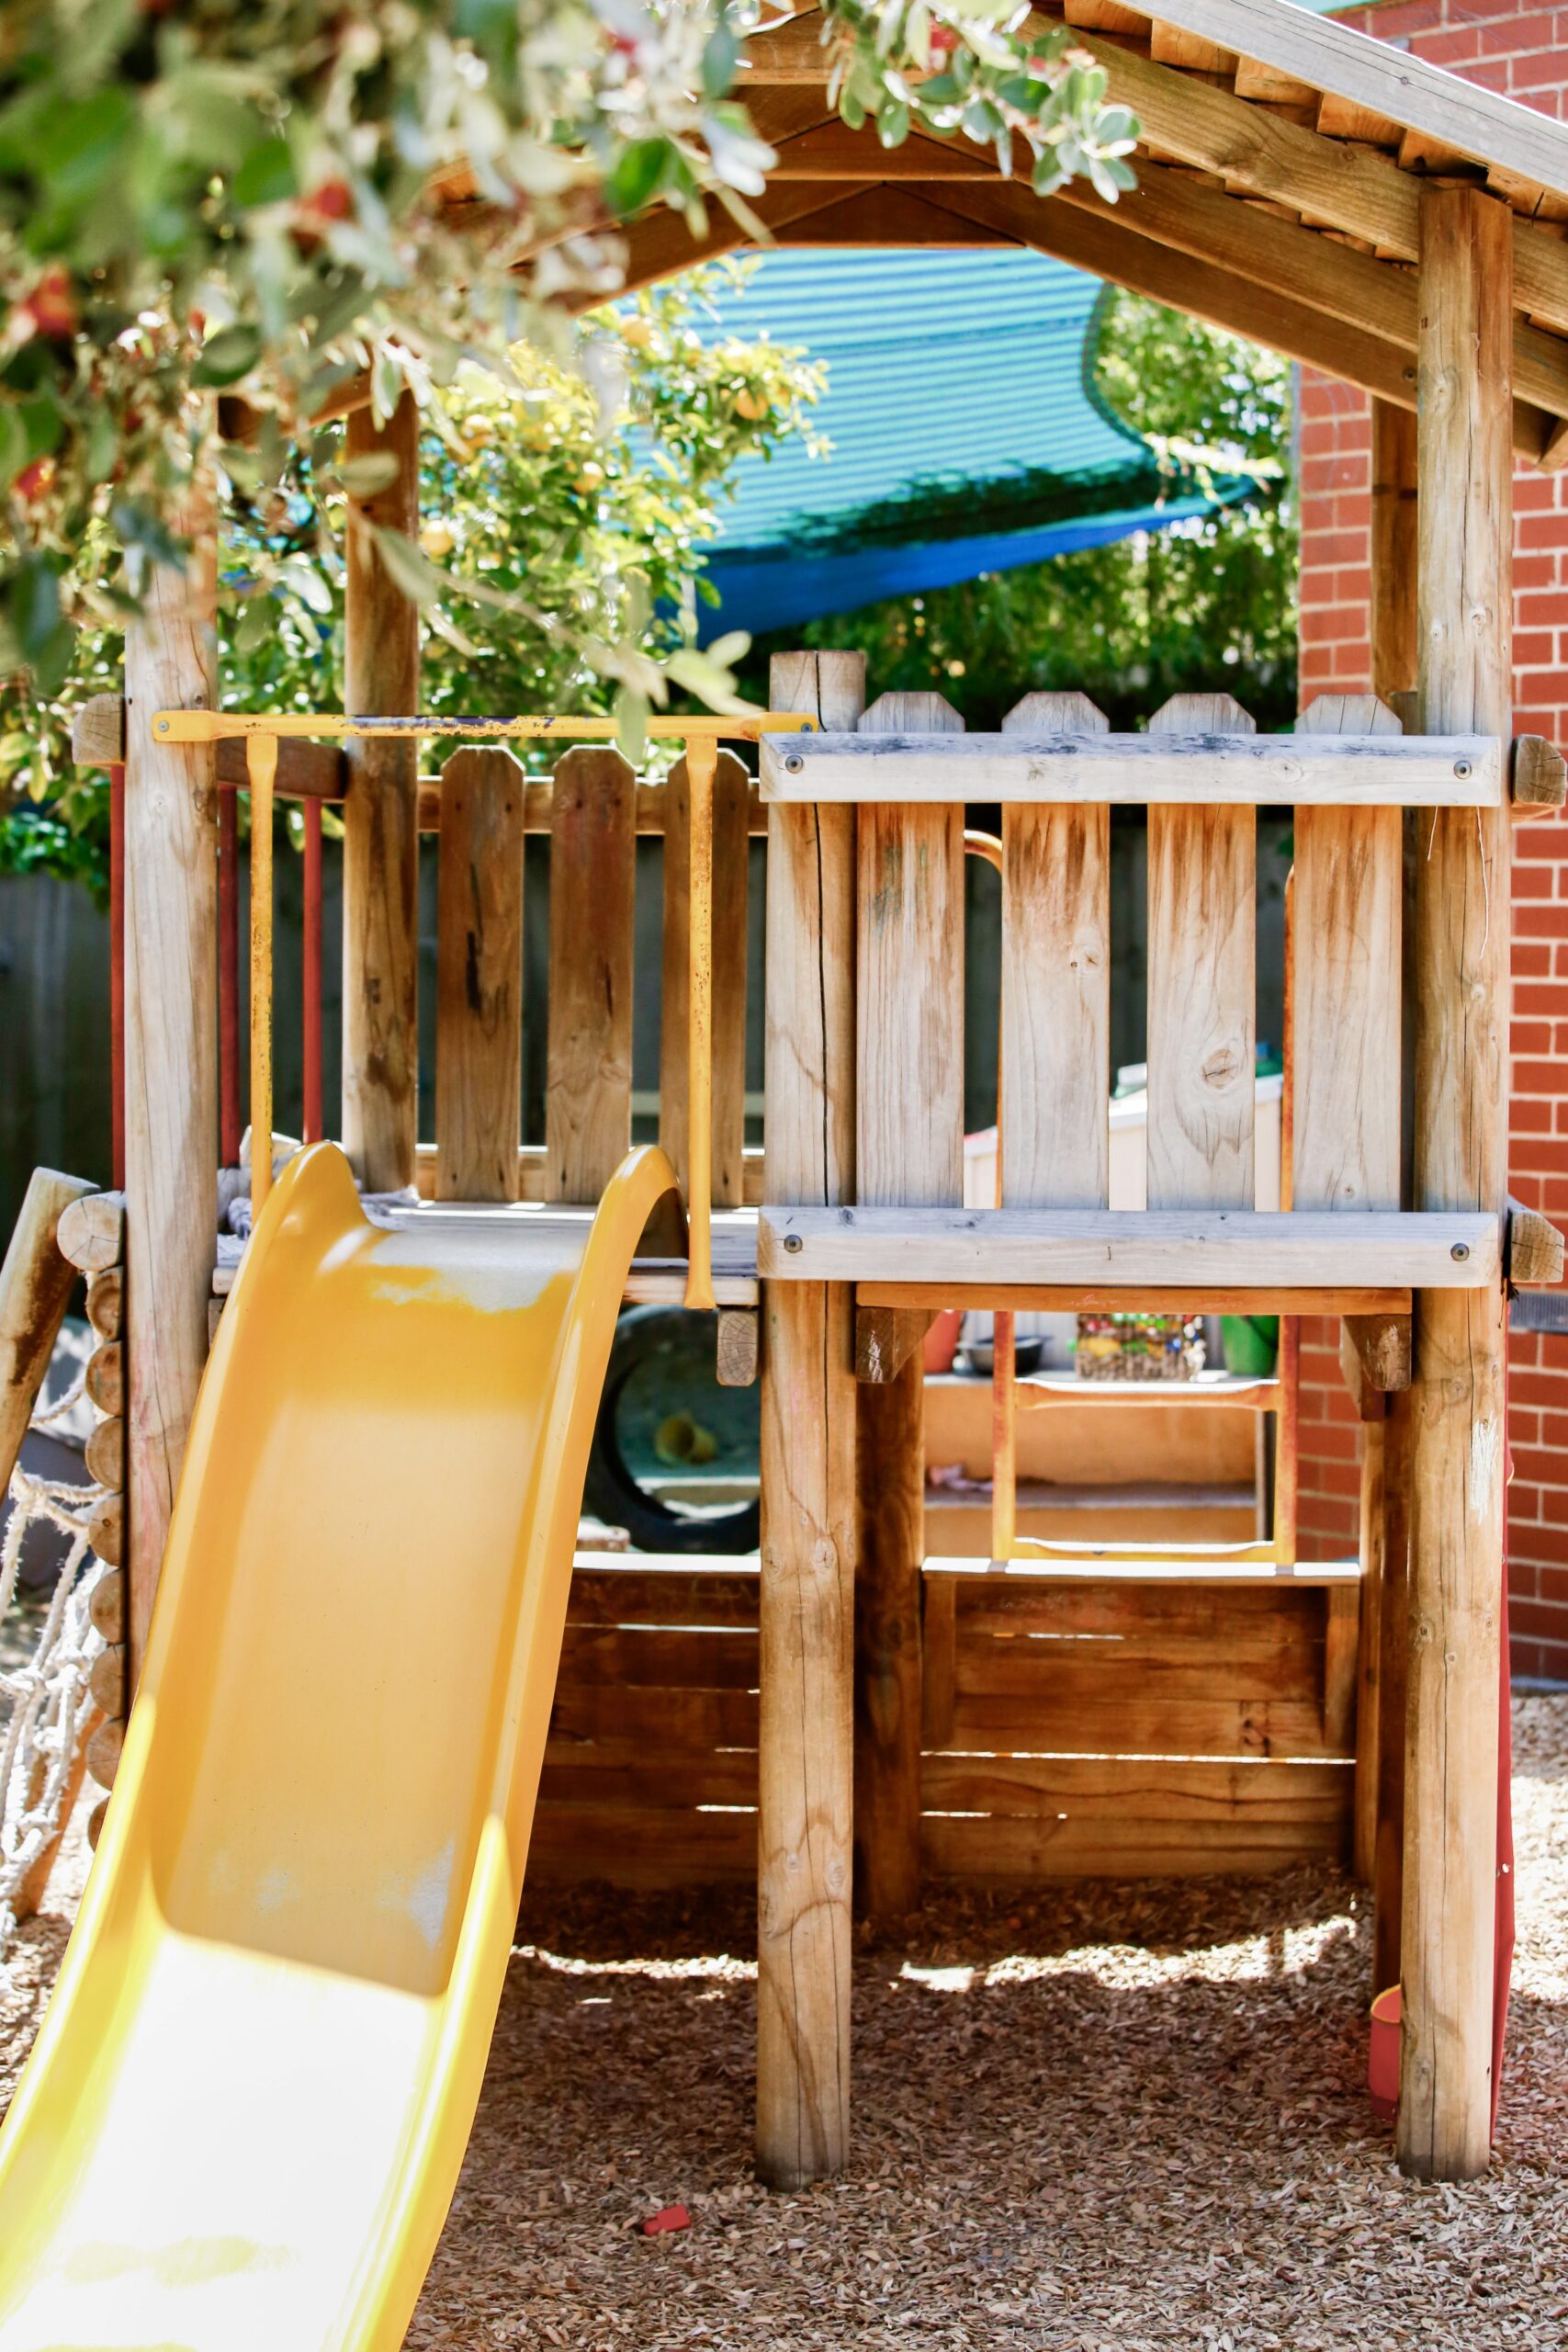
(243, 2122)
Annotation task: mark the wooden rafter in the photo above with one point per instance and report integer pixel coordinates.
(1375, 77)
(1100, 242)
(1377, 296)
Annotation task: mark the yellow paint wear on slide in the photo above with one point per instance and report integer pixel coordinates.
(243, 2122)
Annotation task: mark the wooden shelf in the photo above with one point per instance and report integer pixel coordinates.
(1199, 1567)
(1230, 1389)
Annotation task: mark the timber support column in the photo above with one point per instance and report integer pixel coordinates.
(1458, 1438)
(171, 1045)
(807, 1600)
(381, 823)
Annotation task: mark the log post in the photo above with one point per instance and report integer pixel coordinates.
(380, 837)
(805, 1602)
(171, 1042)
(1465, 542)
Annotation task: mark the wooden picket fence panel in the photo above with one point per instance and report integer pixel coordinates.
(591, 811)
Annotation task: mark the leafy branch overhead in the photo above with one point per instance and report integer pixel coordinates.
(272, 199)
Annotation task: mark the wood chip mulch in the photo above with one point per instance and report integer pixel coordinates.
(1101, 2118)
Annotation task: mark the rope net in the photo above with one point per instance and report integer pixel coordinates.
(45, 1703)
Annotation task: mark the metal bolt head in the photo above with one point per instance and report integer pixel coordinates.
(1460, 1251)
(793, 1243)
(793, 763)
(1462, 770)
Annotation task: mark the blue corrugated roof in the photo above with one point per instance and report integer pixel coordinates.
(946, 372)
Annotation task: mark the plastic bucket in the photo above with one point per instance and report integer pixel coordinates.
(1251, 1345)
(1382, 2054)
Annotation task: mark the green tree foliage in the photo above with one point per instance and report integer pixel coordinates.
(567, 512)
(1204, 606)
(266, 199)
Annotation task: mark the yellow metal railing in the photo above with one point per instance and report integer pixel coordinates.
(263, 730)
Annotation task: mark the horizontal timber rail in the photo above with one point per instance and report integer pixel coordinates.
(1143, 771)
(969, 1297)
(262, 732)
(1245, 1249)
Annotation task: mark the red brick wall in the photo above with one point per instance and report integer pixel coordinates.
(1524, 51)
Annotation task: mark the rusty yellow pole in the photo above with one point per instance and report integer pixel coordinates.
(260, 765)
(701, 761)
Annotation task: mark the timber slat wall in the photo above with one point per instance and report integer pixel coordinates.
(1072, 1730)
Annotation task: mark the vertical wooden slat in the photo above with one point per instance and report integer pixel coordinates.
(1394, 1658)
(171, 1040)
(730, 843)
(1203, 993)
(588, 1077)
(1465, 538)
(806, 1597)
(1394, 550)
(380, 824)
(1346, 957)
(478, 977)
(1055, 1128)
(1369, 1674)
(910, 1107)
(910, 983)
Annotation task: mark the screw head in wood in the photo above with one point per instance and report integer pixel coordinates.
(1460, 1251)
(793, 763)
(793, 1243)
(1461, 769)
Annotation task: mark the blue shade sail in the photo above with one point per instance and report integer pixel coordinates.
(966, 434)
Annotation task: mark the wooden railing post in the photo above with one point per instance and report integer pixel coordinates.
(380, 844)
(170, 1044)
(807, 1594)
(909, 1149)
(1462, 1073)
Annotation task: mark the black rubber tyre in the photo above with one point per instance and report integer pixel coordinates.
(664, 1362)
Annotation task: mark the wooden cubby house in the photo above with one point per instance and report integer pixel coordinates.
(845, 1713)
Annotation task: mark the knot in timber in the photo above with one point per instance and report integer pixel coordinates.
(1221, 1066)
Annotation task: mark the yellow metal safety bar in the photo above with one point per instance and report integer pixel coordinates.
(263, 730)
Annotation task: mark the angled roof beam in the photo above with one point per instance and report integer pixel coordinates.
(834, 152)
(1330, 180)
(1099, 241)
(659, 243)
(1377, 296)
(1390, 82)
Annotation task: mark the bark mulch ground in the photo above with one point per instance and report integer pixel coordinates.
(1102, 2119)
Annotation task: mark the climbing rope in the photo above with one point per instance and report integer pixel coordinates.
(45, 1703)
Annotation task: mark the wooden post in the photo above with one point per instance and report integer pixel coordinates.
(1385, 1461)
(478, 977)
(909, 1146)
(1461, 1074)
(806, 1601)
(171, 1043)
(380, 838)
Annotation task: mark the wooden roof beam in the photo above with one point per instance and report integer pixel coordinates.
(1102, 242)
(1371, 73)
(1377, 296)
(1345, 186)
